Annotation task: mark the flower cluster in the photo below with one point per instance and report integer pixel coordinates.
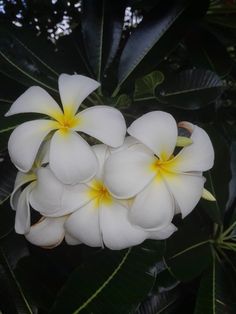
(115, 194)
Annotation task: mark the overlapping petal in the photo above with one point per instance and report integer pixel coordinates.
(74, 89)
(199, 156)
(153, 208)
(52, 198)
(186, 189)
(84, 225)
(117, 232)
(35, 99)
(128, 172)
(71, 158)
(21, 179)
(105, 123)
(22, 218)
(158, 131)
(47, 232)
(25, 141)
(163, 233)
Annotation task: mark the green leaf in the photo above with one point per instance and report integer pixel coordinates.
(145, 86)
(161, 303)
(225, 21)
(113, 282)
(21, 63)
(190, 89)
(158, 33)
(188, 251)
(102, 24)
(11, 250)
(7, 179)
(217, 181)
(215, 292)
(207, 52)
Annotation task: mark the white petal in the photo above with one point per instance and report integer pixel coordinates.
(163, 233)
(158, 131)
(198, 156)
(35, 99)
(186, 190)
(117, 231)
(71, 240)
(102, 152)
(21, 179)
(84, 225)
(71, 158)
(47, 232)
(74, 89)
(153, 208)
(22, 218)
(128, 172)
(105, 123)
(52, 198)
(25, 141)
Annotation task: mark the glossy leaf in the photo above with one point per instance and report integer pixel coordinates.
(102, 24)
(114, 282)
(11, 250)
(190, 89)
(207, 52)
(164, 302)
(188, 251)
(215, 295)
(218, 181)
(158, 33)
(145, 86)
(21, 63)
(8, 174)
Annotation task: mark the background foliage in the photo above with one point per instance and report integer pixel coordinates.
(177, 56)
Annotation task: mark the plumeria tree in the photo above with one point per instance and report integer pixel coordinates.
(118, 132)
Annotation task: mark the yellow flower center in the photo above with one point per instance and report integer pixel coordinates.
(65, 121)
(99, 193)
(164, 166)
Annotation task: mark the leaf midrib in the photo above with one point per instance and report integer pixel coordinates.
(100, 289)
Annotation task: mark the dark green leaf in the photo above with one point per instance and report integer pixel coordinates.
(21, 63)
(190, 89)
(158, 33)
(8, 174)
(11, 250)
(114, 282)
(188, 251)
(102, 23)
(145, 86)
(162, 303)
(215, 295)
(208, 52)
(218, 180)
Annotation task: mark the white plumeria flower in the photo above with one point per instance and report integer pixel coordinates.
(71, 158)
(103, 220)
(163, 184)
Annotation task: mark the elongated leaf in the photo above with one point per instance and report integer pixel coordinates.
(114, 282)
(208, 52)
(188, 251)
(164, 303)
(102, 23)
(157, 35)
(218, 181)
(11, 250)
(215, 295)
(191, 89)
(22, 64)
(8, 174)
(145, 86)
